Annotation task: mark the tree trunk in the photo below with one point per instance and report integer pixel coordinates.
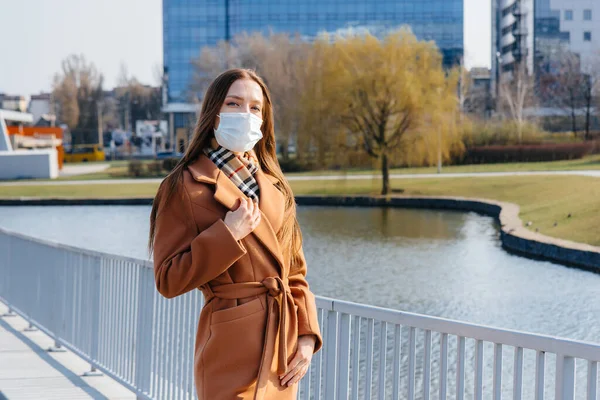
(573, 116)
(588, 111)
(285, 154)
(385, 175)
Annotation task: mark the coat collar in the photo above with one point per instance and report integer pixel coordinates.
(271, 204)
(204, 170)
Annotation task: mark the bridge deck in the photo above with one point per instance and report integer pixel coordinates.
(28, 371)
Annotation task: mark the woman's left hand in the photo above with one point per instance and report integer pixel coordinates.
(301, 361)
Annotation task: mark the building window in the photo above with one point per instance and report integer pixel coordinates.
(587, 15)
(587, 36)
(568, 15)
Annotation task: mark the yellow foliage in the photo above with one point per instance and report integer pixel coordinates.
(388, 98)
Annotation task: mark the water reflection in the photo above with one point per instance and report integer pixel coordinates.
(378, 223)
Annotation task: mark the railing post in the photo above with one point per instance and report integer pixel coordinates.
(565, 377)
(144, 326)
(58, 278)
(96, 265)
(6, 275)
(344, 358)
(330, 361)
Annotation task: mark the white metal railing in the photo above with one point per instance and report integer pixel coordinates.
(106, 309)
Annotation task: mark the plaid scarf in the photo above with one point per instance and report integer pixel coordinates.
(240, 169)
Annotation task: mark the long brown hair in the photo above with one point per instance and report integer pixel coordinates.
(289, 235)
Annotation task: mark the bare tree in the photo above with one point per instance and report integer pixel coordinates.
(209, 64)
(565, 88)
(276, 58)
(591, 92)
(78, 91)
(516, 95)
(64, 94)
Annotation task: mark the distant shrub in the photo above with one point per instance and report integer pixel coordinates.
(155, 168)
(169, 163)
(490, 133)
(293, 165)
(527, 153)
(136, 168)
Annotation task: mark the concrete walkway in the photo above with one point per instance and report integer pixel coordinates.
(592, 173)
(82, 169)
(28, 371)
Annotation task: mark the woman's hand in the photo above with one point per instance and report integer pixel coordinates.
(243, 220)
(301, 361)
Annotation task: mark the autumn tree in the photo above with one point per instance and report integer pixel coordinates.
(386, 91)
(77, 90)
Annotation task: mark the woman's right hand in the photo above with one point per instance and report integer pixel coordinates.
(244, 219)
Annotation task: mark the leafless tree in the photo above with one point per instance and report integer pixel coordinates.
(276, 58)
(516, 95)
(591, 92)
(77, 89)
(565, 88)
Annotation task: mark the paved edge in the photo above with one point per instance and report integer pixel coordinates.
(515, 238)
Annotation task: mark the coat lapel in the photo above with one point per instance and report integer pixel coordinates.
(227, 193)
(272, 201)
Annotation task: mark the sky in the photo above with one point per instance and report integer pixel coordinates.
(38, 34)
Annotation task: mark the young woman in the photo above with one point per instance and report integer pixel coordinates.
(224, 221)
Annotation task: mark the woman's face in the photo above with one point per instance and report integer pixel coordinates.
(244, 96)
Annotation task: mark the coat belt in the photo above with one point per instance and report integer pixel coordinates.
(279, 293)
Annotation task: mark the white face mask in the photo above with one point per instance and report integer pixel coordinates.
(238, 132)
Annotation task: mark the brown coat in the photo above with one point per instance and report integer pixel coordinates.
(254, 297)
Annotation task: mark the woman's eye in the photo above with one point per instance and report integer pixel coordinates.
(231, 104)
(257, 108)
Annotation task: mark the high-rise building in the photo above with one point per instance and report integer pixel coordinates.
(191, 24)
(539, 32)
(567, 25)
(513, 21)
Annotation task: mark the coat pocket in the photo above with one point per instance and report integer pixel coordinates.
(233, 313)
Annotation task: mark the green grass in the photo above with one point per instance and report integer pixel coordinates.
(544, 200)
(586, 163)
(100, 191)
(116, 170)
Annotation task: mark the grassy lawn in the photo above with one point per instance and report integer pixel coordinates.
(118, 169)
(586, 163)
(544, 200)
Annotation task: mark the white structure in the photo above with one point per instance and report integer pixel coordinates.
(14, 103)
(150, 132)
(181, 110)
(515, 34)
(536, 32)
(39, 105)
(24, 164)
(580, 19)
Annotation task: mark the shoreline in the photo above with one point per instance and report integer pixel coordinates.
(514, 236)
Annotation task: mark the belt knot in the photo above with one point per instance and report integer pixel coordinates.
(275, 285)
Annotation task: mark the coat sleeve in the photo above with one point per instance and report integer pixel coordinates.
(186, 257)
(308, 323)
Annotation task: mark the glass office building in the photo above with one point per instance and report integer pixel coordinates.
(191, 24)
(549, 39)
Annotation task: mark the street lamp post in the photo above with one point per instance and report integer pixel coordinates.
(100, 123)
